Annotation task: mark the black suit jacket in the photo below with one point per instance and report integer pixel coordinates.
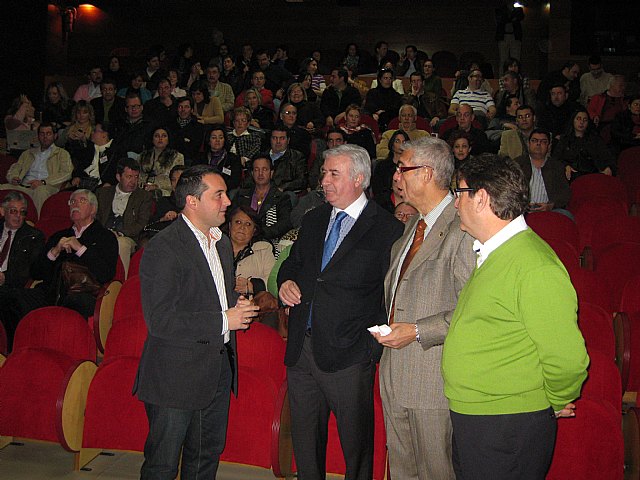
(26, 247)
(184, 350)
(117, 114)
(348, 295)
(276, 202)
(555, 181)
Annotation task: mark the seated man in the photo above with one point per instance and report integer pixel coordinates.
(163, 109)
(41, 171)
(223, 91)
(512, 88)
(338, 96)
(595, 81)
(333, 138)
(187, 132)
(548, 186)
(257, 81)
(299, 137)
(125, 208)
(407, 116)
(90, 90)
(272, 205)
(514, 143)
(152, 73)
(95, 165)
(556, 111)
(289, 165)
(431, 105)
(465, 118)
(109, 109)
(276, 77)
(86, 249)
(481, 101)
(20, 246)
(567, 76)
(135, 134)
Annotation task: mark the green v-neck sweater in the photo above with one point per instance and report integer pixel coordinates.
(514, 345)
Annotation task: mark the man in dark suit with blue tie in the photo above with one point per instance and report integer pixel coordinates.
(333, 281)
(187, 367)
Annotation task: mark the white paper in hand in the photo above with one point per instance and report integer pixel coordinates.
(383, 330)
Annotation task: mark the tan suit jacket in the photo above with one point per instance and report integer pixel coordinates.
(427, 295)
(511, 144)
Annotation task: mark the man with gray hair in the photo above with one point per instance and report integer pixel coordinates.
(429, 266)
(335, 295)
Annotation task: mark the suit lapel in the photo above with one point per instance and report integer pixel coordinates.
(362, 226)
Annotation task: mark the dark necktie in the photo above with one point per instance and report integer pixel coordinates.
(418, 238)
(332, 239)
(5, 248)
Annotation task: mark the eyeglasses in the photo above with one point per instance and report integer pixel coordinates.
(401, 168)
(79, 201)
(458, 191)
(539, 141)
(134, 107)
(15, 211)
(401, 215)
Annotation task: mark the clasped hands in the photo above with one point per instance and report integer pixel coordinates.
(241, 316)
(68, 244)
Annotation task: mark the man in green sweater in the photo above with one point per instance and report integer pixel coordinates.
(513, 359)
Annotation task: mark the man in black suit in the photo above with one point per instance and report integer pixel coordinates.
(333, 282)
(188, 362)
(20, 246)
(187, 132)
(109, 109)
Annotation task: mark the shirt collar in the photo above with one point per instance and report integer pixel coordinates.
(431, 217)
(246, 132)
(120, 192)
(215, 233)
(355, 209)
(80, 231)
(514, 227)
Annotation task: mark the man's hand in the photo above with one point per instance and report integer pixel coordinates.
(241, 316)
(15, 181)
(2, 278)
(434, 121)
(290, 293)
(243, 285)
(170, 215)
(35, 183)
(596, 120)
(567, 411)
(607, 171)
(75, 181)
(402, 334)
(568, 170)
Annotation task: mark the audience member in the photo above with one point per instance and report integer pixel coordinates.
(408, 62)
(152, 74)
(21, 115)
(91, 89)
(125, 208)
(407, 116)
(625, 130)
(174, 77)
(276, 77)
(404, 212)
(510, 88)
(382, 102)
(567, 76)
(385, 169)
(166, 211)
(299, 138)
(281, 58)
(219, 90)
(461, 144)
(207, 109)
(309, 115)
(604, 107)
(289, 165)
(514, 143)
(257, 82)
(595, 81)
(310, 65)
(388, 64)
(156, 162)
(480, 100)
(557, 111)
(227, 164)
(162, 109)
(41, 171)
(187, 132)
(231, 75)
(195, 75)
(581, 150)
(338, 96)
(430, 106)
(261, 116)
(133, 137)
(272, 206)
(333, 138)
(22, 244)
(115, 71)
(95, 165)
(253, 259)
(548, 185)
(74, 138)
(356, 132)
(109, 109)
(136, 85)
(57, 106)
(464, 119)
(241, 140)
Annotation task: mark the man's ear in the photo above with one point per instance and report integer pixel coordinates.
(482, 200)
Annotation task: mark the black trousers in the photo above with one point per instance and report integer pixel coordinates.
(313, 394)
(200, 434)
(503, 447)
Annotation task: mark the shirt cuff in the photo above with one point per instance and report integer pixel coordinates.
(225, 323)
(51, 256)
(81, 251)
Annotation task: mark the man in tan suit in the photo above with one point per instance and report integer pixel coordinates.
(429, 266)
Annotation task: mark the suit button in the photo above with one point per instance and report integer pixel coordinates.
(222, 351)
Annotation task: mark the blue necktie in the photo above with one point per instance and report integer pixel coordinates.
(332, 239)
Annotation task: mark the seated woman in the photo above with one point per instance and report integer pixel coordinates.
(383, 102)
(357, 132)
(242, 141)
(227, 163)
(309, 115)
(252, 259)
(261, 116)
(306, 82)
(310, 66)
(94, 165)
(75, 137)
(174, 77)
(460, 143)
(135, 86)
(156, 163)
(21, 115)
(193, 76)
(166, 209)
(625, 130)
(115, 71)
(231, 75)
(207, 109)
(56, 108)
(382, 178)
(387, 64)
(581, 149)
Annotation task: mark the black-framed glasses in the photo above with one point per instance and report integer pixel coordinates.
(401, 168)
(458, 191)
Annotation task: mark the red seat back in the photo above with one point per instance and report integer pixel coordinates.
(629, 172)
(129, 302)
(134, 265)
(566, 252)
(591, 289)
(56, 328)
(261, 349)
(615, 265)
(630, 302)
(553, 225)
(596, 325)
(126, 338)
(609, 230)
(590, 212)
(56, 206)
(596, 185)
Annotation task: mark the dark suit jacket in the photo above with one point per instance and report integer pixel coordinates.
(555, 181)
(26, 247)
(348, 295)
(184, 350)
(275, 202)
(136, 215)
(117, 114)
(106, 166)
(290, 171)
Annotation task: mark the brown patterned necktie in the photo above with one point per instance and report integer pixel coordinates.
(418, 238)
